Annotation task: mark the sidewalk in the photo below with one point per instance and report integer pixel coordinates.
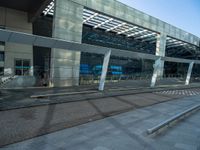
(20, 124)
(121, 132)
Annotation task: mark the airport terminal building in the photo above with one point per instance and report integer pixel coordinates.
(64, 42)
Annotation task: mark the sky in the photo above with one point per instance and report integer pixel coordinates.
(184, 14)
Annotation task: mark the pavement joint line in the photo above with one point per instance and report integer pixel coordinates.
(61, 94)
(176, 117)
(126, 101)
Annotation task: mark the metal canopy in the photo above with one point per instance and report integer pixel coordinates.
(171, 42)
(110, 24)
(179, 48)
(30, 39)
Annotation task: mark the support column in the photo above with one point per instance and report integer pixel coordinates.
(160, 51)
(155, 72)
(67, 25)
(104, 70)
(159, 64)
(189, 73)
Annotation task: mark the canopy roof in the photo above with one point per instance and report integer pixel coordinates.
(111, 24)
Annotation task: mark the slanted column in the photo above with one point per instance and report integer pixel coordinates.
(156, 67)
(189, 73)
(104, 70)
(67, 25)
(159, 64)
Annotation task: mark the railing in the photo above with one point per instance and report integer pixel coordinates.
(172, 119)
(7, 77)
(173, 76)
(94, 79)
(42, 77)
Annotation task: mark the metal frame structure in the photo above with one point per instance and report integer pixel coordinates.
(110, 24)
(30, 39)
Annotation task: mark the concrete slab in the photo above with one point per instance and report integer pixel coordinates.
(110, 105)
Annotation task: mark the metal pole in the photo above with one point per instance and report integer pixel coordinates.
(104, 70)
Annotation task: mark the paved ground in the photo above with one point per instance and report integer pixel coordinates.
(55, 113)
(126, 131)
(20, 124)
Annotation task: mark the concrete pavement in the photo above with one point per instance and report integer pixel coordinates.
(126, 131)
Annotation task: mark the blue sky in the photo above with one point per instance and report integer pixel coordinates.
(184, 14)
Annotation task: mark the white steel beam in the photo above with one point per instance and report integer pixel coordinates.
(49, 9)
(187, 81)
(127, 30)
(176, 44)
(136, 33)
(144, 36)
(92, 16)
(104, 70)
(107, 21)
(115, 27)
(156, 67)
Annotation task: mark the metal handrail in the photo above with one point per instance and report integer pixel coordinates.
(172, 119)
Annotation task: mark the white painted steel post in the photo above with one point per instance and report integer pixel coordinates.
(189, 73)
(155, 72)
(104, 70)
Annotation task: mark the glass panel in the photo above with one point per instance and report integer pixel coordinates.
(18, 63)
(22, 67)
(1, 56)
(18, 72)
(26, 67)
(25, 71)
(26, 63)
(1, 70)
